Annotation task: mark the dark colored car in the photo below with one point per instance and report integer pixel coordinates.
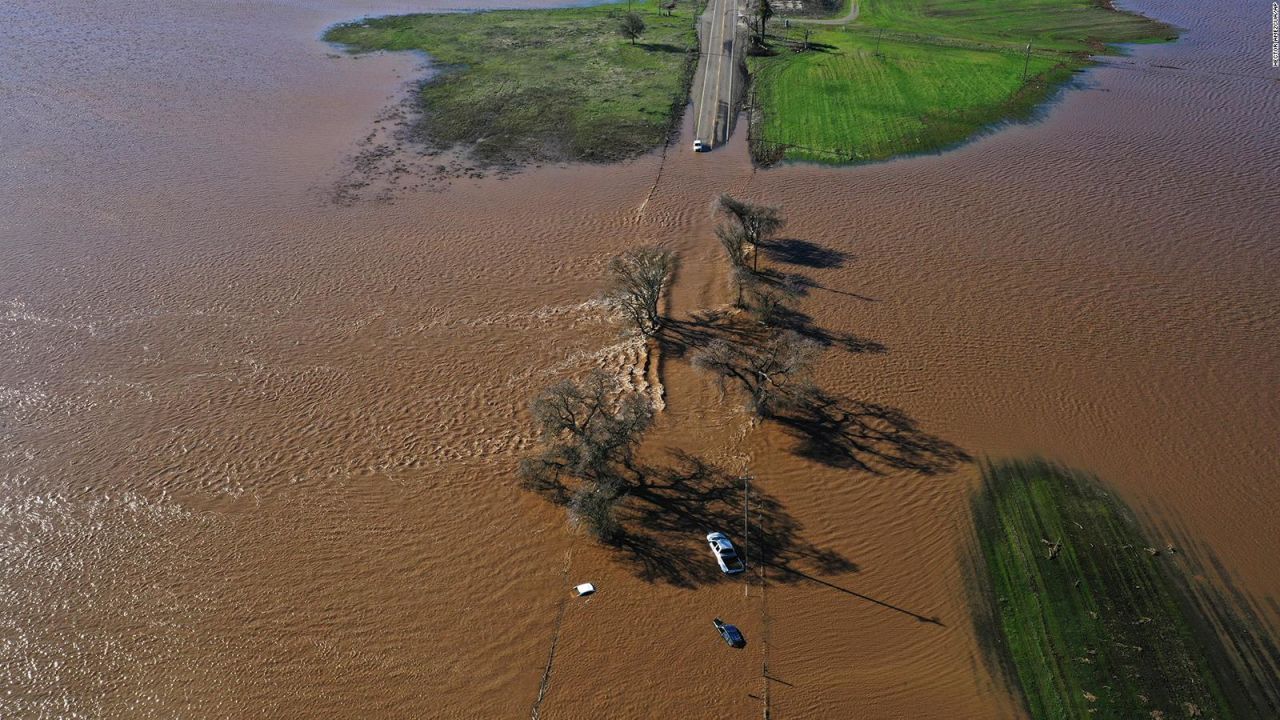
(732, 636)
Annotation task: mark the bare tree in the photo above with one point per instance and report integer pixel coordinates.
(637, 279)
(735, 243)
(769, 299)
(631, 26)
(762, 11)
(773, 373)
(758, 222)
(587, 434)
(588, 442)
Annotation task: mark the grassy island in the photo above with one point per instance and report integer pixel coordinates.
(1091, 619)
(543, 85)
(921, 75)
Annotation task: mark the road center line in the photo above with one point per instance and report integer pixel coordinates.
(715, 95)
(706, 73)
(733, 39)
(720, 70)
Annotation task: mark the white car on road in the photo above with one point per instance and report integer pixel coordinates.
(728, 558)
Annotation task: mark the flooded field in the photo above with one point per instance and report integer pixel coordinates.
(257, 447)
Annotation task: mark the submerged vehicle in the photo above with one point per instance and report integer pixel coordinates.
(698, 146)
(732, 636)
(726, 556)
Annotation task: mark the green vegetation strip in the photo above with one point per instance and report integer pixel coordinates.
(1092, 621)
(543, 85)
(921, 75)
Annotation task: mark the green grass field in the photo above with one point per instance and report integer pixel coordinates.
(1059, 25)
(1101, 629)
(945, 70)
(543, 85)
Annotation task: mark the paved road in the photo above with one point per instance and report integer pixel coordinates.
(716, 81)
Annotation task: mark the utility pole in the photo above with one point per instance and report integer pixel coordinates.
(877, 52)
(1026, 63)
(746, 500)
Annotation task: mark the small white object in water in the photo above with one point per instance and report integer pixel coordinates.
(584, 589)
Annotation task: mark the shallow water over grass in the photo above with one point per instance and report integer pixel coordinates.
(1093, 617)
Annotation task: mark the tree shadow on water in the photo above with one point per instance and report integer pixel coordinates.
(832, 430)
(669, 514)
(804, 253)
(866, 436)
(789, 318)
(679, 337)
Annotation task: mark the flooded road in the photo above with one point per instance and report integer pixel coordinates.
(257, 447)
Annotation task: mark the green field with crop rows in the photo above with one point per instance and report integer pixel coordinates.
(919, 75)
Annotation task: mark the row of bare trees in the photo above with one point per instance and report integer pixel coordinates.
(769, 362)
(589, 429)
(770, 356)
(765, 350)
(751, 225)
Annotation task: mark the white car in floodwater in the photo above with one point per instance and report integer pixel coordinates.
(726, 556)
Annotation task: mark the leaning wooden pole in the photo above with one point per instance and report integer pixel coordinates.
(746, 535)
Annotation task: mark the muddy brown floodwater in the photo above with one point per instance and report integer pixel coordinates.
(258, 447)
